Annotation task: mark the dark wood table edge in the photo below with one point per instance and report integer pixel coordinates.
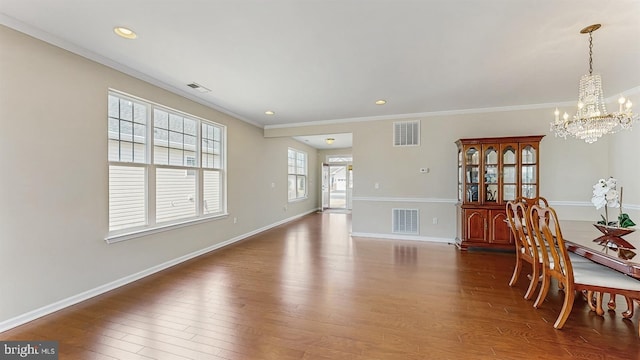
(631, 269)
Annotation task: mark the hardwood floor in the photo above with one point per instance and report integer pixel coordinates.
(307, 290)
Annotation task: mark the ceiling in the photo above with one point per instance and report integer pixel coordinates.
(340, 141)
(324, 60)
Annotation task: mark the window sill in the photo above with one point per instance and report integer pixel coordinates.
(111, 239)
(297, 200)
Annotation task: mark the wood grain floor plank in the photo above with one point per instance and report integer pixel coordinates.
(308, 290)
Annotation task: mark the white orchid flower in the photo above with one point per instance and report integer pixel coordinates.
(599, 201)
(612, 198)
(600, 189)
(605, 194)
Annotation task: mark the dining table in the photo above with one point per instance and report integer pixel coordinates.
(620, 255)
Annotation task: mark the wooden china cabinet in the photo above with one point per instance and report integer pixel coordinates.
(492, 171)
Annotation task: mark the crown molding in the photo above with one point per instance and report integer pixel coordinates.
(632, 91)
(81, 51)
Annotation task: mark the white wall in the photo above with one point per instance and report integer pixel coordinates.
(624, 164)
(569, 168)
(53, 179)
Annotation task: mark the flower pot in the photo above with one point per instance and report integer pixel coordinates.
(612, 234)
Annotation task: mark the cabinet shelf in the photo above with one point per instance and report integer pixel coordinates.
(492, 171)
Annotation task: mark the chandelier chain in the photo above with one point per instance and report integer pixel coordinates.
(590, 53)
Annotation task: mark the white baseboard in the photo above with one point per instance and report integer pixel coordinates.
(72, 300)
(403, 237)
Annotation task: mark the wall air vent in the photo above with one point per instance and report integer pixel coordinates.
(406, 133)
(199, 87)
(405, 221)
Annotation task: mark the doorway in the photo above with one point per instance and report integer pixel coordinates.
(337, 186)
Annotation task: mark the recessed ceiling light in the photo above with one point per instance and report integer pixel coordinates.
(269, 112)
(125, 32)
(329, 141)
(381, 102)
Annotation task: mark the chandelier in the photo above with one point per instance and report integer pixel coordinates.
(591, 121)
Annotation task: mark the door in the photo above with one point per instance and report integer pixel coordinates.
(338, 186)
(325, 186)
(349, 186)
(337, 182)
(529, 170)
(472, 176)
(491, 173)
(500, 233)
(509, 173)
(476, 225)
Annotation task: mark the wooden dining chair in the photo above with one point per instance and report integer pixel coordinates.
(538, 200)
(526, 248)
(589, 277)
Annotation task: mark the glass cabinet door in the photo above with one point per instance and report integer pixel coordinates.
(529, 158)
(490, 173)
(472, 175)
(509, 171)
(460, 181)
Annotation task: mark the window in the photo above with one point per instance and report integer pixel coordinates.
(165, 167)
(297, 164)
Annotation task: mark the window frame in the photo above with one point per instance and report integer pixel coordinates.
(298, 176)
(151, 224)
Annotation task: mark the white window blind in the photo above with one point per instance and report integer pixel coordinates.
(212, 192)
(126, 197)
(175, 194)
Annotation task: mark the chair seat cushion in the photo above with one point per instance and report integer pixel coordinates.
(593, 274)
(575, 259)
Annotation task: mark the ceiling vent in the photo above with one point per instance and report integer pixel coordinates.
(199, 87)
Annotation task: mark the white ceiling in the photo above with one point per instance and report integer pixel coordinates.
(315, 60)
(340, 141)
